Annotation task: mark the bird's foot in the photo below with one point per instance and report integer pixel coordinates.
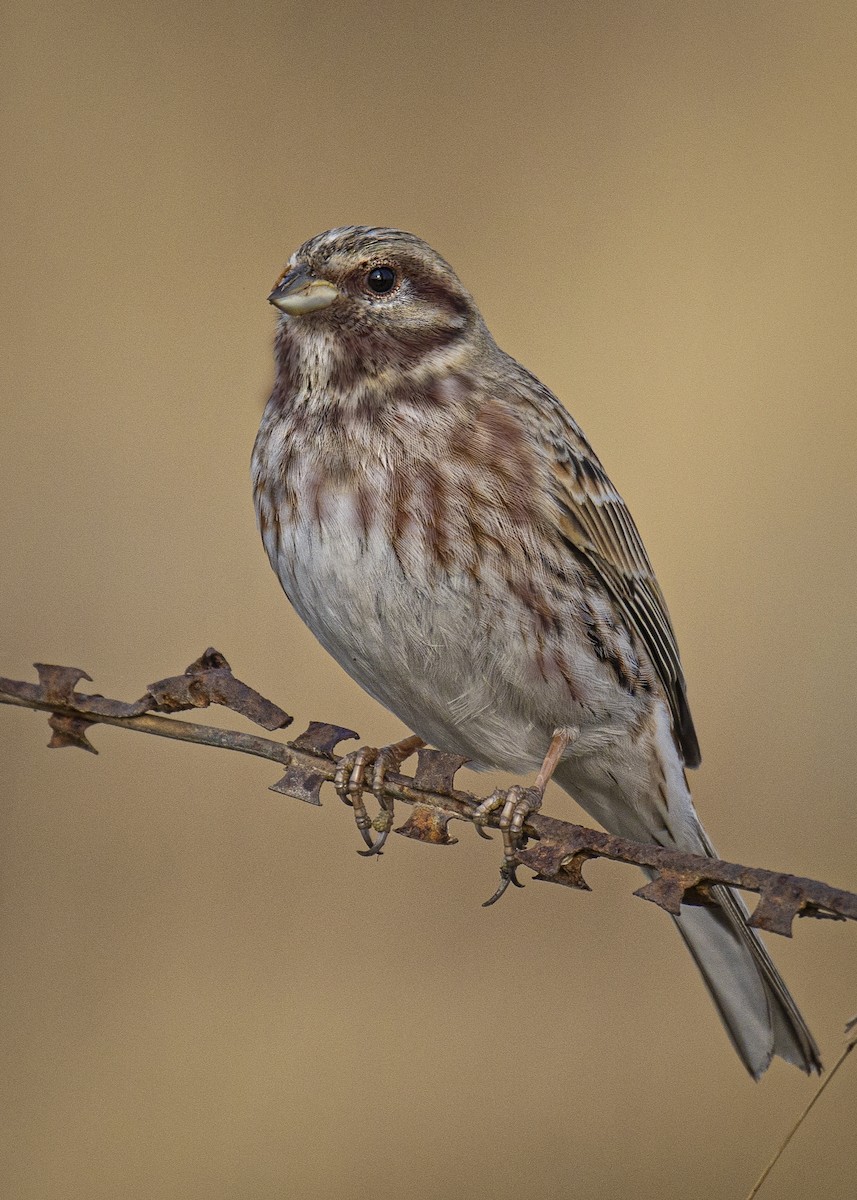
(515, 806)
(351, 780)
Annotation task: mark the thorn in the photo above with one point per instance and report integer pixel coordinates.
(572, 870)
(70, 731)
(427, 824)
(436, 770)
(321, 738)
(775, 913)
(58, 682)
(209, 660)
(300, 784)
(209, 680)
(667, 890)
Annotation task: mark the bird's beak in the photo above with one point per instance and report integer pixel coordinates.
(297, 292)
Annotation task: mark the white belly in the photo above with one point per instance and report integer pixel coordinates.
(454, 658)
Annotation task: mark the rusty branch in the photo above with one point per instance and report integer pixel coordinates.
(556, 850)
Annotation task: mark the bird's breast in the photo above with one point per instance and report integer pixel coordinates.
(430, 580)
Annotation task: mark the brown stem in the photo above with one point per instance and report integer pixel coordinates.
(556, 851)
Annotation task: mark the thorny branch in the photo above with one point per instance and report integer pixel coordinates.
(556, 850)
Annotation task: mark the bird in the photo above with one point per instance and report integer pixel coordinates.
(440, 522)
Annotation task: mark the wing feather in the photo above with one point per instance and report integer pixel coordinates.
(597, 525)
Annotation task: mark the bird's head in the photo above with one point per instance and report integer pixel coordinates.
(381, 297)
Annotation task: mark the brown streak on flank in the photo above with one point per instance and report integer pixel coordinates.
(544, 623)
(493, 438)
(483, 542)
(470, 446)
(368, 414)
(533, 602)
(364, 509)
(565, 671)
(623, 670)
(505, 433)
(437, 516)
(645, 680)
(398, 496)
(333, 422)
(495, 442)
(515, 467)
(595, 631)
(614, 658)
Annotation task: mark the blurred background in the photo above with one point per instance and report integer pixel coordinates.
(206, 993)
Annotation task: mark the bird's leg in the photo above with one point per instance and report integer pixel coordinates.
(517, 803)
(350, 780)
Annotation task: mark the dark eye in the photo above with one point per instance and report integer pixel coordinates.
(381, 280)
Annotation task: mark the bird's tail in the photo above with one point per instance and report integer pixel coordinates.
(755, 1005)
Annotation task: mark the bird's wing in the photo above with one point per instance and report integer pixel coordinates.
(596, 524)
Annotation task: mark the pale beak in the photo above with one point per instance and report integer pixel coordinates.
(298, 292)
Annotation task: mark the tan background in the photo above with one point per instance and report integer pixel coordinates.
(206, 993)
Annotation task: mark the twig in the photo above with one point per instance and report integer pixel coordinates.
(850, 1043)
(556, 851)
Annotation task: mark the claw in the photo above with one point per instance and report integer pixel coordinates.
(376, 847)
(508, 874)
(367, 838)
(383, 823)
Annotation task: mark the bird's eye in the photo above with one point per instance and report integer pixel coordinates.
(381, 280)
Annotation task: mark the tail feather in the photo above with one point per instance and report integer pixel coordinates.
(755, 1005)
(789, 1036)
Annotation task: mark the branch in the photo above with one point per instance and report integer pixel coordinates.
(556, 850)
